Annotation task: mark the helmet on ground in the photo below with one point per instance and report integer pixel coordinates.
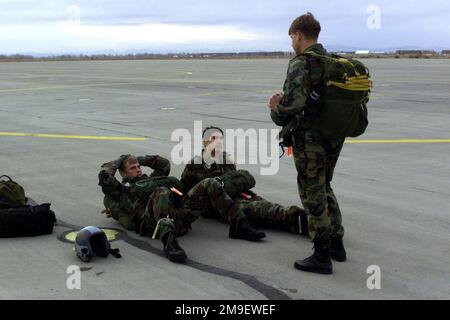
(91, 241)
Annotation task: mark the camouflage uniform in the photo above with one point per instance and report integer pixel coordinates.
(206, 198)
(315, 157)
(260, 211)
(117, 203)
(164, 211)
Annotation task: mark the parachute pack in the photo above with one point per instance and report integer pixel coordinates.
(343, 92)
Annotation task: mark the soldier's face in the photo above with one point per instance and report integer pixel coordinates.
(215, 142)
(296, 43)
(133, 170)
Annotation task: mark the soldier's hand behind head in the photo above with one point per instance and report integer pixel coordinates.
(103, 176)
(121, 160)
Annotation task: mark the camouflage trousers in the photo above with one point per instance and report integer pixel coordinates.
(165, 213)
(265, 214)
(315, 160)
(262, 214)
(115, 209)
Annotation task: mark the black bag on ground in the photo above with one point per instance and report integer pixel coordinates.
(26, 221)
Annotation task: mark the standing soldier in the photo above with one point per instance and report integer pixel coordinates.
(298, 110)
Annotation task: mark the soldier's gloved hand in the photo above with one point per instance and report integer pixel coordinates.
(142, 160)
(103, 176)
(121, 160)
(145, 160)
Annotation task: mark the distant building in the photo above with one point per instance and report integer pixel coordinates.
(446, 52)
(362, 52)
(343, 53)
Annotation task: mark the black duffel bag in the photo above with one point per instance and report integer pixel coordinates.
(25, 221)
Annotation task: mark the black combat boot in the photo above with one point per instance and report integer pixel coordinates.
(240, 229)
(172, 249)
(320, 261)
(337, 250)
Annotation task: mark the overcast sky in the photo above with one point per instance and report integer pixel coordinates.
(89, 26)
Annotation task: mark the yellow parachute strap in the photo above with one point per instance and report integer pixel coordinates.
(360, 77)
(358, 83)
(351, 86)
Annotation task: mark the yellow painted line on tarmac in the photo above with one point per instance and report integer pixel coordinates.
(400, 141)
(209, 94)
(146, 82)
(63, 136)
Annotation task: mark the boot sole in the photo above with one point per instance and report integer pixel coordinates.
(339, 259)
(296, 266)
(254, 239)
(179, 258)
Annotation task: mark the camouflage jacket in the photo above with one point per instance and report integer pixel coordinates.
(202, 167)
(296, 89)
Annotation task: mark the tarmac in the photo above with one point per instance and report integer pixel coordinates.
(392, 183)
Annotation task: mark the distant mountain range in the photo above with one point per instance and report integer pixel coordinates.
(339, 48)
(113, 52)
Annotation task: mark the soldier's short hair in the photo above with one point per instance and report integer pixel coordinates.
(307, 25)
(209, 131)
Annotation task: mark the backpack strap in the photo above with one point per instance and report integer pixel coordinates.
(314, 84)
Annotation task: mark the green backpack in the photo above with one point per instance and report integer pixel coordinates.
(344, 93)
(144, 188)
(11, 193)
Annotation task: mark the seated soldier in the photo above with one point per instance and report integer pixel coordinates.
(154, 205)
(215, 162)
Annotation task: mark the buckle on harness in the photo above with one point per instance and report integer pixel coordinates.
(314, 95)
(220, 181)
